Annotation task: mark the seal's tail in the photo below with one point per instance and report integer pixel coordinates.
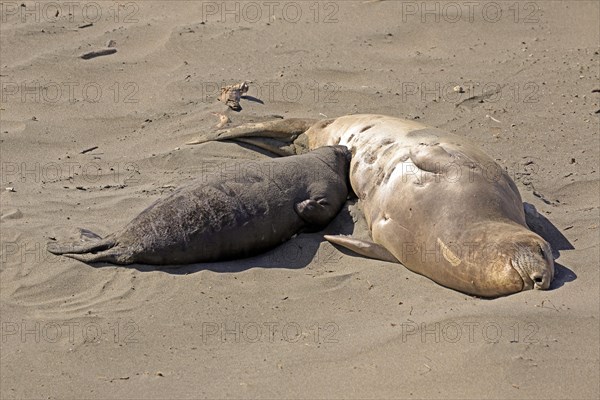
(281, 136)
(95, 251)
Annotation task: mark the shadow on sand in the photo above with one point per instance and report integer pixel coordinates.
(546, 229)
(305, 248)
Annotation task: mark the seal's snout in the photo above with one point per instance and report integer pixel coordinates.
(535, 265)
(541, 280)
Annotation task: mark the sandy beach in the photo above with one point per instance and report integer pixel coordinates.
(90, 142)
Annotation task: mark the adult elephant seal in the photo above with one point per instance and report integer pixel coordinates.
(250, 208)
(432, 200)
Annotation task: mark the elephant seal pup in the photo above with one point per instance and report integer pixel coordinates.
(432, 201)
(215, 218)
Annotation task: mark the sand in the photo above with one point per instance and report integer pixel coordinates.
(305, 320)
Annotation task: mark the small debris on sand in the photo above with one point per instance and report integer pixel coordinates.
(223, 120)
(88, 150)
(231, 95)
(98, 53)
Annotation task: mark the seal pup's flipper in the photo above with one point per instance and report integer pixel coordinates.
(363, 247)
(113, 255)
(317, 213)
(86, 235)
(94, 249)
(91, 243)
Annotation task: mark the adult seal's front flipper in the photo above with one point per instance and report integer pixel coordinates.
(363, 247)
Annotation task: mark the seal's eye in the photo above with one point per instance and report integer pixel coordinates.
(542, 252)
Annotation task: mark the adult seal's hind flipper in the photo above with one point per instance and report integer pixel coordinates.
(281, 137)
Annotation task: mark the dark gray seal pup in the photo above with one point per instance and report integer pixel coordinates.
(221, 216)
